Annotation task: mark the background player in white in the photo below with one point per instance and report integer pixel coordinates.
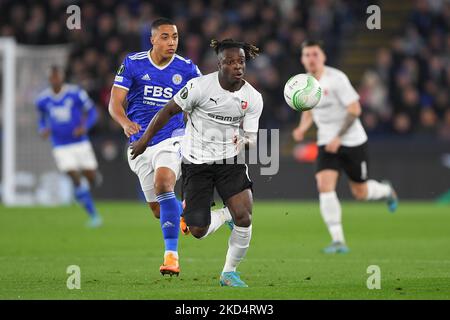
(143, 84)
(342, 144)
(216, 105)
(65, 115)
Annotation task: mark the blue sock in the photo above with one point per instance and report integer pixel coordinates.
(83, 196)
(169, 215)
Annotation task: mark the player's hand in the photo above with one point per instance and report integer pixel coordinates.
(45, 133)
(239, 143)
(298, 134)
(333, 146)
(131, 128)
(137, 147)
(79, 131)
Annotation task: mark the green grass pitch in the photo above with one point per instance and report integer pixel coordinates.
(121, 260)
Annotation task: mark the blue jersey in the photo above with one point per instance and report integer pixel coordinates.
(65, 111)
(150, 87)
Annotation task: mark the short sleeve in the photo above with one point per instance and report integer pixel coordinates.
(124, 77)
(195, 71)
(251, 119)
(86, 102)
(345, 91)
(189, 95)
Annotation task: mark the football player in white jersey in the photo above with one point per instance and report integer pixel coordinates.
(216, 105)
(342, 144)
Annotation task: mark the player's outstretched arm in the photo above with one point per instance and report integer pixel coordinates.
(306, 122)
(117, 111)
(159, 120)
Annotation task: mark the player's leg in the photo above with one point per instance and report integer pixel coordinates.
(234, 186)
(142, 167)
(93, 177)
(66, 158)
(355, 164)
(87, 163)
(198, 188)
(327, 174)
(219, 217)
(374, 190)
(166, 162)
(154, 206)
(330, 209)
(169, 217)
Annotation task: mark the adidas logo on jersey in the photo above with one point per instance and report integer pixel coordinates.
(146, 77)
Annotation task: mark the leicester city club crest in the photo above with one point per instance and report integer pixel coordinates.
(177, 78)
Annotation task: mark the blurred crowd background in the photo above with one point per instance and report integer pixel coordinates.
(404, 91)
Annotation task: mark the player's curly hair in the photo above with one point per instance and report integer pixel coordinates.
(251, 51)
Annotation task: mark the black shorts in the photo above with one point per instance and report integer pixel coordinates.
(353, 160)
(199, 181)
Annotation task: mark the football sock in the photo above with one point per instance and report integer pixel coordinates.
(330, 208)
(237, 247)
(377, 190)
(218, 218)
(169, 218)
(84, 197)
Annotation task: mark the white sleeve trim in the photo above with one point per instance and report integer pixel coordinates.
(118, 85)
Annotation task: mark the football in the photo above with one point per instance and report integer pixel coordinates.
(302, 92)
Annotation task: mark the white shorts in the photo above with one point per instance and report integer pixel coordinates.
(167, 154)
(75, 156)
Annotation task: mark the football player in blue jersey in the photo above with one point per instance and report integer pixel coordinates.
(144, 83)
(65, 114)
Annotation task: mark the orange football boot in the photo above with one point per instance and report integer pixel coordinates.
(183, 226)
(170, 265)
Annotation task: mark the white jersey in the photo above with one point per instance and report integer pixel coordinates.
(214, 117)
(329, 115)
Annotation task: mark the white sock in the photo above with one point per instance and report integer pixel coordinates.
(218, 218)
(377, 190)
(175, 253)
(330, 208)
(237, 247)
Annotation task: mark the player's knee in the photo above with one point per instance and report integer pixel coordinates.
(323, 187)
(243, 219)
(198, 232)
(163, 186)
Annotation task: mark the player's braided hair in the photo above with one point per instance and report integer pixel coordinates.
(251, 51)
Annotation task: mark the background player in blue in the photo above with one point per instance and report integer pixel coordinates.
(66, 114)
(146, 81)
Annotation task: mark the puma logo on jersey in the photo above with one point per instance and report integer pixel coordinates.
(146, 77)
(215, 101)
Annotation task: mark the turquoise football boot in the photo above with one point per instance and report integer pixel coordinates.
(392, 200)
(336, 247)
(230, 224)
(231, 279)
(95, 222)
